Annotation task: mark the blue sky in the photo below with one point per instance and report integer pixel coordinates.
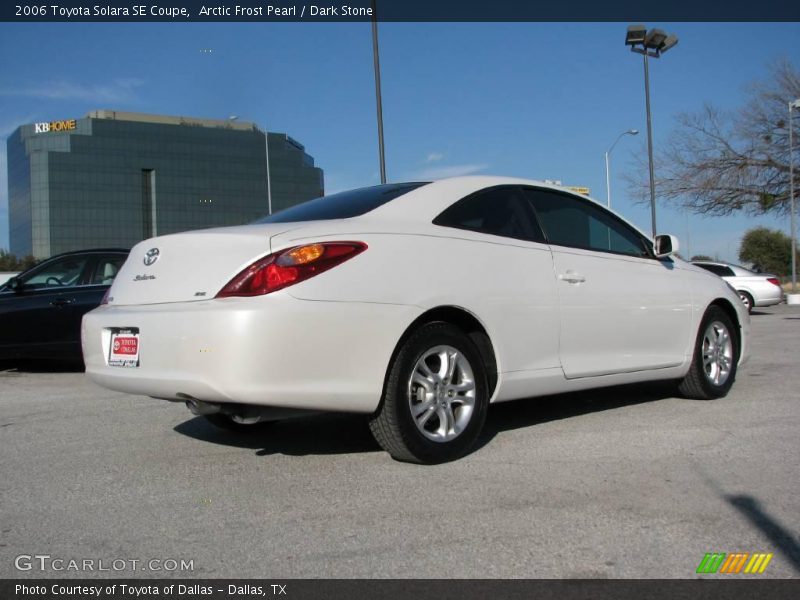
(538, 100)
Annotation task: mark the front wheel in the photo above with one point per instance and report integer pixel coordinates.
(436, 397)
(716, 355)
(747, 300)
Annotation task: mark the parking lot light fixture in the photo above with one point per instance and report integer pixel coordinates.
(608, 156)
(636, 35)
(652, 43)
(655, 39)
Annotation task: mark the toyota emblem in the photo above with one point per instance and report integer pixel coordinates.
(151, 256)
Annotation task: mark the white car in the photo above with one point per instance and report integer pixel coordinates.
(755, 289)
(418, 304)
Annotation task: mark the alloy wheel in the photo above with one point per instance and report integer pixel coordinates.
(717, 353)
(441, 393)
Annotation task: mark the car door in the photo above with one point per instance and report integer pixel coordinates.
(36, 315)
(517, 296)
(621, 309)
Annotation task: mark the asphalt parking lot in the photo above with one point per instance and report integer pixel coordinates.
(626, 482)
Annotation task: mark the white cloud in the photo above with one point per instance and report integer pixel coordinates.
(451, 171)
(117, 90)
(434, 157)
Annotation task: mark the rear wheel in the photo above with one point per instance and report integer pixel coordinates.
(716, 354)
(747, 300)
(436, 397)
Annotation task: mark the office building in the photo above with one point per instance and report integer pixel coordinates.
(112, 179)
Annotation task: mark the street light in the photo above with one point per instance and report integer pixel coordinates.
(234, 118)
(649, 43)
(792, 106)
(376, 63)
(608, 154)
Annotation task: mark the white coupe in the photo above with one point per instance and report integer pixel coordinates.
(419, 304)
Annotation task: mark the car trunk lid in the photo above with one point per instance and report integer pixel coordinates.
(189, 266)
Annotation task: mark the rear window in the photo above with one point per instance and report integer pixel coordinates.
(720, 270)
(343, 205)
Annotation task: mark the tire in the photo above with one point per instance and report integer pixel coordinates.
(438, 375)
(223, 421)
(747, 300)
(716, 354)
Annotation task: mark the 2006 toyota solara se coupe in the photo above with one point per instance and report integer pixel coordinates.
(418, 304)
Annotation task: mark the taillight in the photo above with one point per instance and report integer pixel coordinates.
(774, 281)
(105, 297)
(285, 268)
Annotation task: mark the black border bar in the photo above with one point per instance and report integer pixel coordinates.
(276, 11)
(412, 589)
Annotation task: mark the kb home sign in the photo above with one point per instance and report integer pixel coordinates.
(68, 125)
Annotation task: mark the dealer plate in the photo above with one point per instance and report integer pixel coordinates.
(124, 348)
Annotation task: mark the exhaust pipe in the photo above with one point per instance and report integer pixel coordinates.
(200, 408)
(243, 414)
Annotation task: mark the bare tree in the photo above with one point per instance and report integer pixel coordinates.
(719, 162)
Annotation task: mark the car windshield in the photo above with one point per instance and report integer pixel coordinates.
(343, 205)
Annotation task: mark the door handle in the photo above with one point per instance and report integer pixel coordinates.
(59, 302)
(572, 277)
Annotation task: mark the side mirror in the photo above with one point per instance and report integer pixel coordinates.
(666, 245)
(14, 284)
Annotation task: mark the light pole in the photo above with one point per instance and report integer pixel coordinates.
(376, 63)
(233, 118)
(792, 106)
(649, 43)
(608, 155)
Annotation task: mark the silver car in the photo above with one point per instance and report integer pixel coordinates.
(755, 289)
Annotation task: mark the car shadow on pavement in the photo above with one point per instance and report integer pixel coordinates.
(776, 533)
(324, 434)
(300, 436)
(517, 414)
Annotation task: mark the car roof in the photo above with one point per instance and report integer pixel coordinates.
(125, 251)
(709, 263)
(738, 270)
(90, 251)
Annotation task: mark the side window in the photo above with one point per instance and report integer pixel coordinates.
(106, 269)
(62, 272)
(497, 211)
(570, 221)
(727, 272)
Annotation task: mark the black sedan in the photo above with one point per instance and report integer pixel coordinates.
(41, 309)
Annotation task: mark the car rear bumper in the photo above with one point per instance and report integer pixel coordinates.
(763, 293)
(771, 300)
(271, 350)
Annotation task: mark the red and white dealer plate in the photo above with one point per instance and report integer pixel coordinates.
(124, 350)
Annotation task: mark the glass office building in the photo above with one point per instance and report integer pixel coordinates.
(112, 179)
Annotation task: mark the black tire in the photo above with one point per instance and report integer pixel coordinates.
(223, 421)
(393, 425)
(747, 300)
(699, 382)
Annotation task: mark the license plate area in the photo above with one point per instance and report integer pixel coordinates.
(123, 350)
